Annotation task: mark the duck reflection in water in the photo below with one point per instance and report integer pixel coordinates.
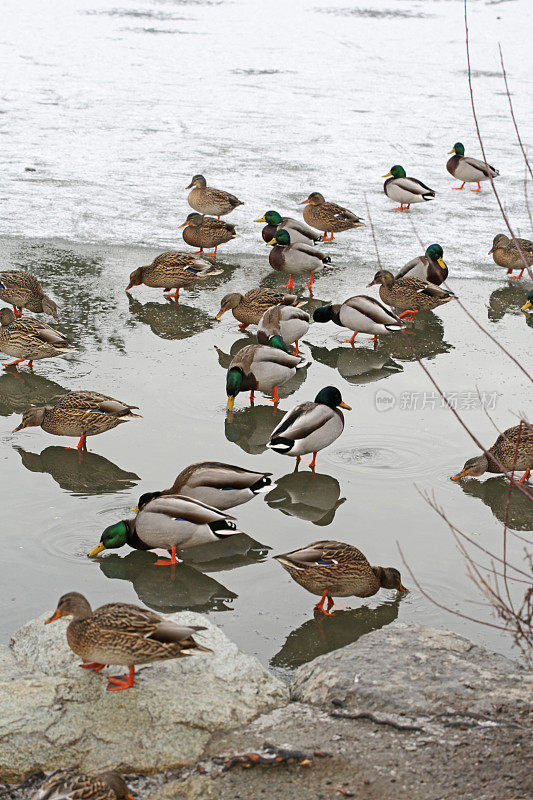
(506, 300)
(170, 321)
(428, 339)
(494, 493)
(311, 496)
(20, 390)
(90, 475)
(250, 428)
(188, 588)
(322, 634)
(357, 366)
(232, 553)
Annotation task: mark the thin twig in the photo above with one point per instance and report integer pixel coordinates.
(528, 165)
(372, 231)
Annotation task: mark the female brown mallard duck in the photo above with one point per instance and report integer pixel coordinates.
(207, 232)
(505, 254)
(29, 339)
(262, 368)
(514, 450)
(411, 294)
(124, 634)
(296, 259)
(249, 308)
(287, 322)
(79, 414)
(68, 784)
(173, 270)
(298, 232)
(328, 216)
(430, 267)
(23, 290)
(216, 484)
(329, 568)
(467, 169)
(213, 202)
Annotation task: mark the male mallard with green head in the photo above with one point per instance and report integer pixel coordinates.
(260, 368)
(404, 190)
(410, 294)
(467, 169)
(286, 321)
(296, 259)
(173, 270)
(430, 267)
(310, 427)
(29, 339)
(361, 314)
(124, 634)
(297, 230)
(506, 254)
(529, 302)
(207, 232)
(329, 568)
(514, 450)
(328, 216)
(207, 200)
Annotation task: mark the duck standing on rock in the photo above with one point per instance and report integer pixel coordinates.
(430, 267)
(249, 308)
(171, 522)
(329, 568)
(29, 339)
(173, 270)
(410, 294)
(467, 169)
(67, 784)
(329, 216)
(404, 190)
(80, 414)
(124, 634)
(361, 314)
(505, 254)
(297, 259)
(286, 322)
(514, 450)
(310, 427)
(206, 200)
(23, 290)
(207, 232)
(298, 232)
(260, 368)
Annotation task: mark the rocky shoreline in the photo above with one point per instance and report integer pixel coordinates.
(407, 710)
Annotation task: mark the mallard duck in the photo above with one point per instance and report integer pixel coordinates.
(173, 270)
(171, 522)
(430, 267)
(287, 322)
(334, 568)
(411, 294)
(310, 427)
(514, 450)
(297, 259)
(468, 170)
(260, 368)
(81, 414)
(298, 232)
(328, 216)
(505, 254)
(361, 314)
(124, 634)
(207, 232)
(23, 290)
(67, 784)
(29, 339)
(404, 190)
(529, 302)
(216, 484)
(249, 308)
(206, 200)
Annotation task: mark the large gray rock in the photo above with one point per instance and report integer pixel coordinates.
(56, 714)
(415, 671)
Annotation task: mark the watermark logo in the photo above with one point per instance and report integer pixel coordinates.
(420, 401)
(384, 400)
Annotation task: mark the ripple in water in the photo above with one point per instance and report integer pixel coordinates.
(402, 456)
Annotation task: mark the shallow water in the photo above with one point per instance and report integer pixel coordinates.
(108, 107)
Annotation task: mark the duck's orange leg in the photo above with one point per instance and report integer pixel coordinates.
(517, 277)
(243, 326)
(525, 476)
(320, 605)
(168, 562)
(351, 339)
(458, 188)
(94, 666)
(312, 463)
(14, 363)
(409, 314)
(276, 397)
(296, 349)
(308, 285)
(82, 444)
(175, 295)
(478, 188)
(214, 253)
(197, 252)
(290, 284)
(117, 684)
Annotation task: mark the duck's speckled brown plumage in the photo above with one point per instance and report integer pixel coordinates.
(173, 270)
(505, 253)
(207, 200)
(410, 293)
(68, 784)
(513, 448)
(337, 568)
(23, 290)
(207, 232)
(30, 338)
(329, 216)
(250, 307)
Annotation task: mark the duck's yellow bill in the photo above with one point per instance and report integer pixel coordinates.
(403, 589)
(525, 307)
(387, 175)
(183, 225)
(272, 241)
(54, 616)
(134, 508)
(230, 403)
(451, 151)
(222, 311)
(441, 262)
(344, 405)
(491, 251)
(303, 202)
(98, 549)
(261, 219)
